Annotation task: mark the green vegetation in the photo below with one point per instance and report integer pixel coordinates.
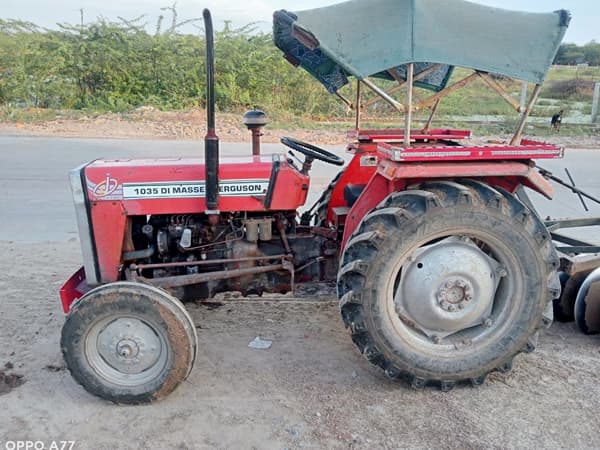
(572, 54)
(105, 66)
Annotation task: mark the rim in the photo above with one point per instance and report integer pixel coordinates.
(453, 294)
(127, 350)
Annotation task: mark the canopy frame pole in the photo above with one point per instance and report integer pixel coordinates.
(402, 82)
(409, 93)
(347, 102)
(397, 105)
(378, 99)
(517, 136)
(430, 119)
(500, 90)
(396, 76)
(447, 90)
(358, 105)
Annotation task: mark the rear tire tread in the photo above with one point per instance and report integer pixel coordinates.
(395, 211)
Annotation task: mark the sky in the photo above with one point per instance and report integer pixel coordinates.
(584, 27)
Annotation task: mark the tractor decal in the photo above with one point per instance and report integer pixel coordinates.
(107, 189)
(193, 189)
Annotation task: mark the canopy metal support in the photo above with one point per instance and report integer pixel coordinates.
(402, 82)
(397, 105)
(347, 102)
(523, 99)
(394, 74)
(408, 114)
(433, 111)
(389, 92)
(517, 136)
(358, 105)
(500, 90)
(446, 91)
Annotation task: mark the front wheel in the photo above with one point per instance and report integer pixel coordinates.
(129, 343)
(447, 282)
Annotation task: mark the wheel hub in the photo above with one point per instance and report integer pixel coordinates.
(454, 294)
(127, 348)
(128, 345)
(447, 287)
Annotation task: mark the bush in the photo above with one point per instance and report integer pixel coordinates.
(574, 89)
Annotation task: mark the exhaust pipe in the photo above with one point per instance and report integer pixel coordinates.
(211, 140)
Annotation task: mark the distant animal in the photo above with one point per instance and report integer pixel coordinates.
(556, 120)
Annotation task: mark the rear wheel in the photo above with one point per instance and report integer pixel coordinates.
(129, 343)
(322, 207)
(447, 282)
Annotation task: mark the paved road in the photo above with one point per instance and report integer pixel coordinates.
(36, 205)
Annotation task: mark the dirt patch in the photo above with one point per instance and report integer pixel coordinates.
(150, 123)
(9, 381)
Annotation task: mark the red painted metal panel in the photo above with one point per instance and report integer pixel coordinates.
(527, 150)
(75, 287)
(395, 176)
(109, 180)
(376, 190)
(527, 174)
(108, 219)
(358, 171)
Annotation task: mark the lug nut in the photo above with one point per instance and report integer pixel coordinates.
(488, 323)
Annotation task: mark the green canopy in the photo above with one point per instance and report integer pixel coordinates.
(366, 38)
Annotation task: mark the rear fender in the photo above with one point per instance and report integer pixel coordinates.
(394, 177)
(360, 170)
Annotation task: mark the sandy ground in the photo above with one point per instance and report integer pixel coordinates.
(149, 123)
(311, 389)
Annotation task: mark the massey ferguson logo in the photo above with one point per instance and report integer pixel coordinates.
(106, 187)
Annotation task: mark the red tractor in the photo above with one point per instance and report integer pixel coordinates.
(444, 271)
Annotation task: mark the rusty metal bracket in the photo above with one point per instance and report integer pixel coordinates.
(288, 265)
(196, 278)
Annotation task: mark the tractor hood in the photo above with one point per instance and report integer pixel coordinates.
(364, 38)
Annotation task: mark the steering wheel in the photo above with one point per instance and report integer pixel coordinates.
(312, 151)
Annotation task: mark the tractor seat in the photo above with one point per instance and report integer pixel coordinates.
(352, 192)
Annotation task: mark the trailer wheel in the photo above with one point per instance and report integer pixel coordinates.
(447, 282)
(129, 343)
(563, 305)
(587, 304)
